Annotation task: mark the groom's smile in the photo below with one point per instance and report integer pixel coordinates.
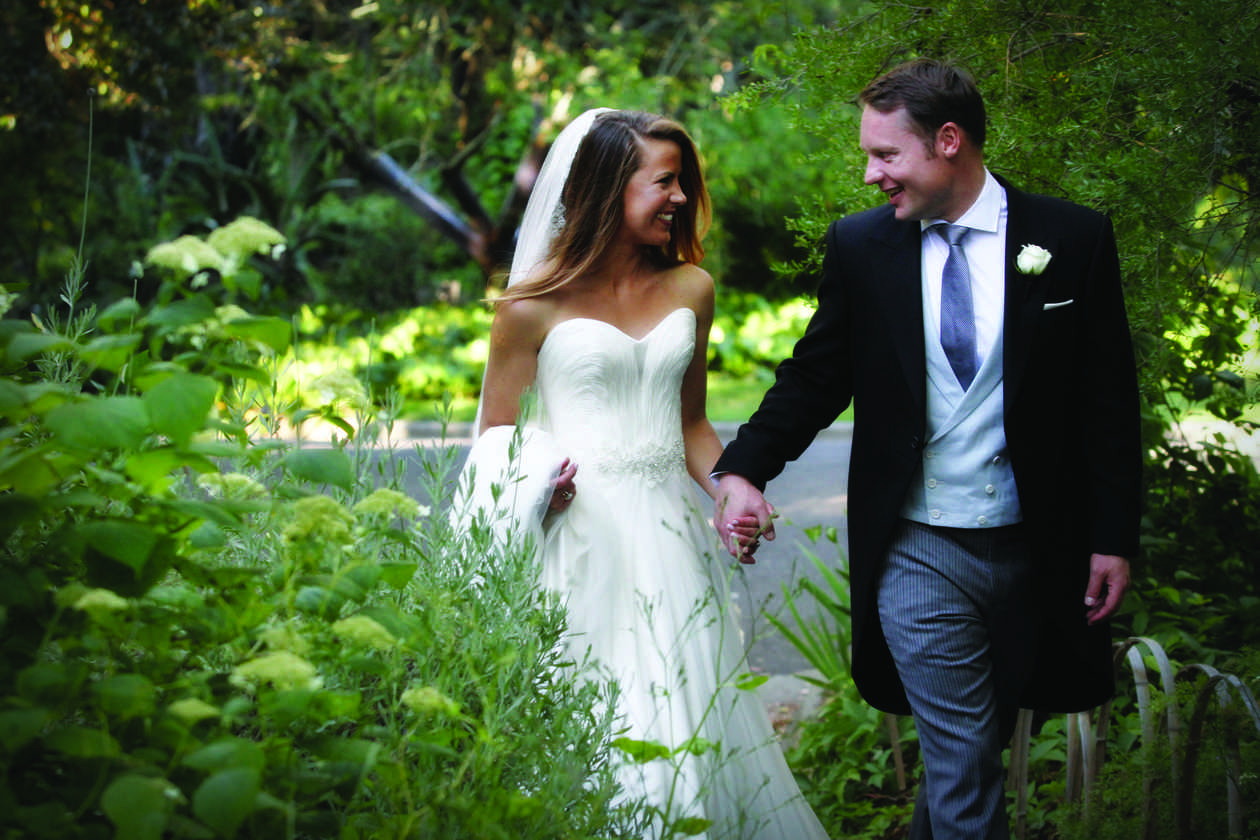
(917, 178)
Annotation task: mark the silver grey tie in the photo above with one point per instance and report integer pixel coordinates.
(958, 318)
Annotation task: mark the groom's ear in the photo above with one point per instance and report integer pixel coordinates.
(949, 139)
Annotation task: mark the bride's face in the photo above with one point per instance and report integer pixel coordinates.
(653, 194)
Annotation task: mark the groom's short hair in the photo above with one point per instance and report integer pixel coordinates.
(933, 93)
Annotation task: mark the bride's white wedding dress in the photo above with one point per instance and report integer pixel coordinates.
(644, 580)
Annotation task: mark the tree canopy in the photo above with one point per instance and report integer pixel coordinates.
(1148, 112)
(388, 139)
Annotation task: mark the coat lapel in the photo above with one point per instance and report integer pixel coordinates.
(897, 256)
(1025, 293)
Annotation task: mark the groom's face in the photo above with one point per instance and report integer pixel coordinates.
(915, 175)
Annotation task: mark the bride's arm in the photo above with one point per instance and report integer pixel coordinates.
(701, 441)
(515, 336)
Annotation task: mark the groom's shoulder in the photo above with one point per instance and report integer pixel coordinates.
(864, 222)
(1044, 206)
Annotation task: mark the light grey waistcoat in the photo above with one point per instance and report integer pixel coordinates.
(965, 478)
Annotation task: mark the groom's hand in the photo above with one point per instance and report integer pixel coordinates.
(741, 515)
(1108, 581)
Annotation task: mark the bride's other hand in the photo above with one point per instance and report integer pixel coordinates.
(738, 500)
(745, 534)
(563, 486)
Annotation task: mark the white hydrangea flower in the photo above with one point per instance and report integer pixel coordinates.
(386, 502)
(427, 700)
(281, 669)
(366, 632)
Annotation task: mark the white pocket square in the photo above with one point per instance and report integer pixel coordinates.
(1058, 303)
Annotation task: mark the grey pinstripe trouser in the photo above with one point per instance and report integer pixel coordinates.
(954, 604)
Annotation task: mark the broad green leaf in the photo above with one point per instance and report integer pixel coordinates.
(641, 752)
(226, 798)
(206, 536)
(246, 280)
(225, 513)
(321, 466)
(156, 372)
(226, 754)
(179, 405)
(340, 704)
(130, 543)
(246, 372)
(119, 314)
(42, 397)
(20, 726)
(45, 683)
(181, 313)
(216, 448)
(690, 826)
(273, 332)
(126, 695)
(750, 682)
(286, 706)
(139, 806)
(153, 469)
(398, 575)
(82, 742)
(355, 750)
(30, 472)
(124, 556)
(317, 600)
(19, 400)
(100, 423)
(26, 346)
(110, 352)
(12, 398)
(695, 746)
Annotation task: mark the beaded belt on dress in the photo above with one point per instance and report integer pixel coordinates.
(653, 462)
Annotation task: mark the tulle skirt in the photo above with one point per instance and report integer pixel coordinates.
(645, 582)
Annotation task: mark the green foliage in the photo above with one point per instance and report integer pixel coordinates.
(1146, 116)
(751, 335)
(844, 762)
(1136, 792)
(434, 355)
(213, 634)
(277, 112)
(1195, 589)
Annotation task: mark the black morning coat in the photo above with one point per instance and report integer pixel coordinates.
(1071, 417)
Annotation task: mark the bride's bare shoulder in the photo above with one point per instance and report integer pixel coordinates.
(693, 287)
(523, 321)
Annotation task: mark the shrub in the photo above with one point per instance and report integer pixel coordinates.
(211, 632)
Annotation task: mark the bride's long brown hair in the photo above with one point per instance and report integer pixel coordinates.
(593, 201)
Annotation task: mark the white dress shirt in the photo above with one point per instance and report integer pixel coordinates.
(985, 248)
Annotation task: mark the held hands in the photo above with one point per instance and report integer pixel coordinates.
(1108, 581)
(742, 516)
(563, 486)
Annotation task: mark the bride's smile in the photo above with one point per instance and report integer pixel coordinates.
(653, 194)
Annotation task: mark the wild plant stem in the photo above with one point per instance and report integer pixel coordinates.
(87, 181)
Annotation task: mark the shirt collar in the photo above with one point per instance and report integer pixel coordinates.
(985, 213)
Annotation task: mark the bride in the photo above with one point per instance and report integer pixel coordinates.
(605, 322)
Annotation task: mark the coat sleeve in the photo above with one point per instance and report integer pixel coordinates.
(1113, 437)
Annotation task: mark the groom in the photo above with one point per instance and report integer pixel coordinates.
(980, 334)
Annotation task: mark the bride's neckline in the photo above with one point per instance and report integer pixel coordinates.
(615, 328)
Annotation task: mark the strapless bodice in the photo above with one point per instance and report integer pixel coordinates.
(614, 401)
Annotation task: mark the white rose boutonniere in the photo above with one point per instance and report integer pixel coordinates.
(1032, 259)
